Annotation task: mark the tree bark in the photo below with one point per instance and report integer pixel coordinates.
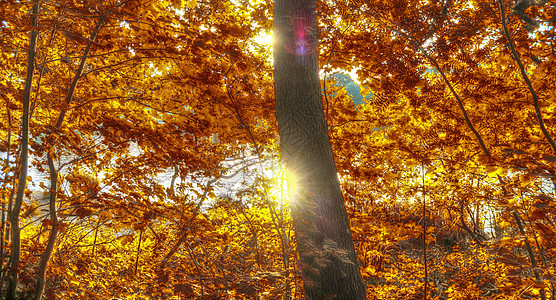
(23, 160)
(41, 274)
(327, 257)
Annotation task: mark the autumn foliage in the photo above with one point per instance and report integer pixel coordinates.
(154, 166)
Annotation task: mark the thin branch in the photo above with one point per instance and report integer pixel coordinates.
(515, 54)
(79, 72)
(530, 252)
(281, 232)
(415, 42)
(452, 90)
(138, 252)
(424, 231)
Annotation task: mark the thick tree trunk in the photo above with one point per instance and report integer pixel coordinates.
(328, 261)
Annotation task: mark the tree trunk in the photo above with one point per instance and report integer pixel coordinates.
(23, 160)
(327, 257)
(53, 194)
(41, 274)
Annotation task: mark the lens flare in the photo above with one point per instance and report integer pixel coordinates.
(303, 42)
(300, 43)
(291, 183)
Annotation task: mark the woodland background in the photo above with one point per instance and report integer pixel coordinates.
(443, 143)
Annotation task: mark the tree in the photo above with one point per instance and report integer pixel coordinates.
(23, 162)
(95, 93)
(328, 262)
(153, 161)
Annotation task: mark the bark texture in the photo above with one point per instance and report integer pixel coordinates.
(328, 261)
(23, 161)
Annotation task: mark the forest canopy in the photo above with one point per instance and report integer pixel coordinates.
(141, 154)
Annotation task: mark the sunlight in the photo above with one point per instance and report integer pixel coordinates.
(265, 38)
(289, 180)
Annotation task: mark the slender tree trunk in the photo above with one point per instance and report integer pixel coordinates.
(47, 254)
(41, 274)
(530, 252)
(327, 256)
(23, 160)
(138, 253)
(5, 229)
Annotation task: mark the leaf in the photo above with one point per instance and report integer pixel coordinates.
(550, 277)
(125, 239)
(513, 151)
(512, 260)
(75, 37)
(549, 158)
(184, 289)
(526, 179)
(191, 3)
(545, 230)
(46, 222)
(82, 212)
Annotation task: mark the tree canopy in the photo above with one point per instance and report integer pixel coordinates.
(154, 158)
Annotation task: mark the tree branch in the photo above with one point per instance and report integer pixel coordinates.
(515, 54)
